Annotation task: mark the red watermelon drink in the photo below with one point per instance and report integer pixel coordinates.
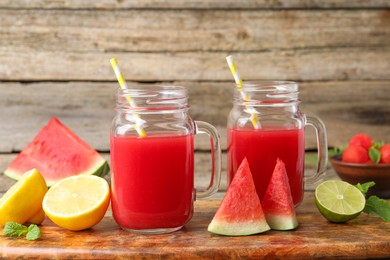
(262, 147)
(152, 177)
(156, 180)
(264, 124)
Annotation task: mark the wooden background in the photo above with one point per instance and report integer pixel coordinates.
(54, 61)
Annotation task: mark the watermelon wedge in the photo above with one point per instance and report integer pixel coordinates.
(277, 203)
(240, 212)
(57, 153)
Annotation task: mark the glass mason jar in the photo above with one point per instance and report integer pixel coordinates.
(152, 159)
(264, 124)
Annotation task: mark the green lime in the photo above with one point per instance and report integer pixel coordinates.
(339, 201)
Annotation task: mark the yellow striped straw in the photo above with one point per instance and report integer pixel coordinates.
(122, 83)
(240, 87)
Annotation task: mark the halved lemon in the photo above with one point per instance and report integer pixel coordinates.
(24, 199)
(38, 218)
(78, 202)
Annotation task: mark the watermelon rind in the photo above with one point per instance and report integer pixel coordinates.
(277, 222)
(99, 169)
(238, 229)
(102, 170)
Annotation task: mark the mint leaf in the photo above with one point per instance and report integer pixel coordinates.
(379, 207)
(33, 232)
(375, 154)
(374, 205)
(377, 144)
(14, 229)
(365, 187)
(336, 151)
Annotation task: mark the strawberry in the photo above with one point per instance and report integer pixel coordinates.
(362, 140)
(385, 153)
(355, 154)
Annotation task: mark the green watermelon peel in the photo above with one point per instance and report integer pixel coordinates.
(57, 152)
(240, 212)
(102, 170)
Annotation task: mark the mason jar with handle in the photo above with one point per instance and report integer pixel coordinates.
(264, 124)
(152, 159)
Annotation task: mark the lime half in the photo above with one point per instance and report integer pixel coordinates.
(339, 201)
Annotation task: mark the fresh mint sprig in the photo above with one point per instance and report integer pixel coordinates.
(379, 207)
(365, 187)
(374, 205)
(14, 229)
(336, 151)
(374, 154)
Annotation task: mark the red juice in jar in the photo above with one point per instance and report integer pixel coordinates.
(156, 184)
(262, 147)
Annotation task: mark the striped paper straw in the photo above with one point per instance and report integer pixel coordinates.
(122, 83)
(240, 87)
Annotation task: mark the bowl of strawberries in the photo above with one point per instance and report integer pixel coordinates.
(365, 160)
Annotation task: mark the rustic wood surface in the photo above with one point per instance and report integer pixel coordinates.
(330, 64)
(301, 32)
(346, 107)
(315, 238)
(194, 4)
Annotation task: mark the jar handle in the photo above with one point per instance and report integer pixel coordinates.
(322, 150)
(211, 131)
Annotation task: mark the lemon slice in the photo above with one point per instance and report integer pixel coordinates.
(24, 199)
(339, 201)
(38, 218)
(78, 202)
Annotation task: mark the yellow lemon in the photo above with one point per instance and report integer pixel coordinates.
(24, 199)
(38, 218)
(78, 202)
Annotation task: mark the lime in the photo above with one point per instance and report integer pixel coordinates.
(339, 201)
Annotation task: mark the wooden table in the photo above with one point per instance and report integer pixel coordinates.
(364, 237)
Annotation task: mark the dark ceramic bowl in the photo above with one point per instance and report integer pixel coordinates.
(360, 173)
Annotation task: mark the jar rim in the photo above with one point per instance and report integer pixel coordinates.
(270, 85)
(152, 98)
(267, 93)
(140, 88)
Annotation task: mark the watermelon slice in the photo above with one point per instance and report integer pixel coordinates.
(240, 212)
(57, 153)
(277, 202)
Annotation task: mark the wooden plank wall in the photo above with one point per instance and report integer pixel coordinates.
(54, 60)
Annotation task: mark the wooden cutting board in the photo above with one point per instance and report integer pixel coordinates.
(364, 237)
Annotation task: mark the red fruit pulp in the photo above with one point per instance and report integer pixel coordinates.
(277, 203)
(355, 154)
(57, 152)
(241, 202)
(362, 140)
(277, 198)
(385, 153)
(240, 212)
